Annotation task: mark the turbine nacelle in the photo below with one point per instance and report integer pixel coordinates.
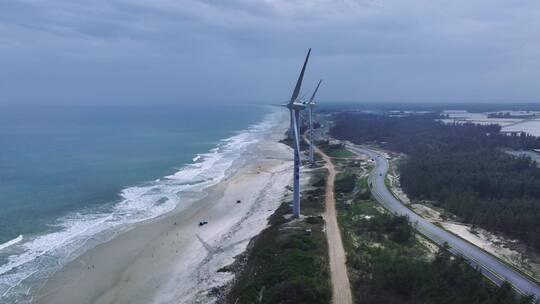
(297, 106)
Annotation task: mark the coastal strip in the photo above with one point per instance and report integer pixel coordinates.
(172, 258)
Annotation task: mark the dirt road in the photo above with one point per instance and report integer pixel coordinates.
(341, 288)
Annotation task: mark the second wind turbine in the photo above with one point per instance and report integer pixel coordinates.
(295, 106)
(311, 105)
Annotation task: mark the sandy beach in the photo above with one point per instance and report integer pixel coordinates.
(171, 259)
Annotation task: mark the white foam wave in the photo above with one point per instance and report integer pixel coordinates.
(11, 242)
(39, 257)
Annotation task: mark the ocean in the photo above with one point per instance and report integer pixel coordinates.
(73, 176)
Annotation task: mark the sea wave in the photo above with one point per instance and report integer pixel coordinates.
(31, 261)
(11, 242)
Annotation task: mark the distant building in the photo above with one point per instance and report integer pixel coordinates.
(520, 114)
(513, 133)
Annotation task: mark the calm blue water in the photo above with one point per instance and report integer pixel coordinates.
(64, 170)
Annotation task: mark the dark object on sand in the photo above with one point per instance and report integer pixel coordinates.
(238, 201)
(202, 223)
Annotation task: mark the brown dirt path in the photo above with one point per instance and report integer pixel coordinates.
(341, 288)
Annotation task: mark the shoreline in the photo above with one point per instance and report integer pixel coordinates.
(25, 265)
(171, 258)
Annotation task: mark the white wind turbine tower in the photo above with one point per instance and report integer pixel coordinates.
(295, 106)
(311, 104)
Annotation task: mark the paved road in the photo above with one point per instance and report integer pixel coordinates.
(341, 287)
(490, 266)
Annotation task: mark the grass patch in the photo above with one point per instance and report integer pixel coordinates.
(334, 150)
(387, 182)
(345, 182)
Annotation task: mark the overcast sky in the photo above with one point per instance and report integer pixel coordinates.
(166, 51)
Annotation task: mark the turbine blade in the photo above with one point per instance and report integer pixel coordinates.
(299, 81)
(295, 128)
(315, 92)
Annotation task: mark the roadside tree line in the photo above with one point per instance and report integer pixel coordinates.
(460, 167)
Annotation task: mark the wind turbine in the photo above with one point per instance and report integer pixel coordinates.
(311, 105)
(299, 122)
(295, 106)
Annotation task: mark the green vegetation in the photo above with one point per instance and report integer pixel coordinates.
(461, 168)
(363, 192)
(389, 264)
(345, 182)
(334, 150)
(289, 142)
(390, 274)
(387, 181)
(286, 264)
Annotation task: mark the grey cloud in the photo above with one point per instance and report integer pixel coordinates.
(140, 51)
